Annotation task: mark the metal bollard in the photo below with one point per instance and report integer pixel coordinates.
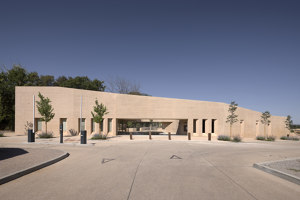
(31, 136)
(169, 134)
(83, 137)
(61, 134)
(209, 136)
(130, 134)
(150, 136)
(189, 136)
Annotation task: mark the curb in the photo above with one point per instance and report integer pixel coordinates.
(29, 170)
(277, 173)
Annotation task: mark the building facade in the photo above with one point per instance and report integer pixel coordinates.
(177, 116)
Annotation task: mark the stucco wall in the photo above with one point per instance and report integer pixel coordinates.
(66, 104)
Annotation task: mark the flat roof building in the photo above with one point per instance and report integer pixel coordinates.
(177, 116)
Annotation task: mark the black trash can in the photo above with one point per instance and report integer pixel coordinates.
(209, 136)
(31, 136)
(83, 137)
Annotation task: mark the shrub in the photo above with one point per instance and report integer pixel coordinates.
(224, 137)
(45, 135)
(73, 132)
(289, 138)
(2, 135)
(98, 136)
(270, 138)
(260, 137)
(236, 139)
(28, 125)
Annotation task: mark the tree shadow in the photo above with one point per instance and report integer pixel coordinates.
(6, 153)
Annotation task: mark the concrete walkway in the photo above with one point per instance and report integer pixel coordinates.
(157, 169)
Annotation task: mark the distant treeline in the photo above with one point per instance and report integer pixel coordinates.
(18, 76)
(295, 126)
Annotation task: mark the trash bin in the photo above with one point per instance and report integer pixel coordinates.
(61, 134)
(83, 137)
(31, 137)
(209, 136)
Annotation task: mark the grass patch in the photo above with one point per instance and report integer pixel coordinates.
(270, 138)
(295, 170)
(99, 137)
(224, 138)
(289, 138)
(260, 137)
(45, 135)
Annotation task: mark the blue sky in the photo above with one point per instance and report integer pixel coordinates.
(246, 51)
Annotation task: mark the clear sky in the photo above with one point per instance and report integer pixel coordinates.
(244, 50)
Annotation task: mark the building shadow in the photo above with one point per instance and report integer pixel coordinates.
(6, 153)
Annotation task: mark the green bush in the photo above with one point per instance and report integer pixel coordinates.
(99, 137)
(289, 138)
(224, 137)
(236, 139)
(45, 135)
(260, 137)
(2, 135)
(270, 138)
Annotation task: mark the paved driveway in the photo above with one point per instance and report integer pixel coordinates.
(143, 170)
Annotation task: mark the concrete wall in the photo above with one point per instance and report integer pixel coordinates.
(66, 104)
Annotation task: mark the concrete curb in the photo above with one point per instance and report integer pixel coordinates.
(29, 170)
(277, 173)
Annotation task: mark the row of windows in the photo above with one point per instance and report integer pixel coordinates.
(81, 125)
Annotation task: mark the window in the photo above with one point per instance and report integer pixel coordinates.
(63, 122)
(39, 124)
(81, 124)
(194, 126)
(93, 125)
(203, 125)
(109, 125)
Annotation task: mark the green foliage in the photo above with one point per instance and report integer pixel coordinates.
(18, 76)
(99, 111)
(288, 123)
(289, 138)
(45, 109)
(265, 118)
(232, 117)
(224, 137)
(270, 138)
(45, 135)
(260, 137)
(2, 135)
(236, 139)
(99, 137)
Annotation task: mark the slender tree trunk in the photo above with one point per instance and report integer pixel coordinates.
(230, 130)
(46, 127)
(265, 131)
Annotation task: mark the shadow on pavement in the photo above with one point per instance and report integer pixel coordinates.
(6, 153)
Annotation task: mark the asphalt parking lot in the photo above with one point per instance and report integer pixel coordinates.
(157, 169)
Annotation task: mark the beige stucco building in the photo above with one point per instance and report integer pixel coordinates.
(177, 116)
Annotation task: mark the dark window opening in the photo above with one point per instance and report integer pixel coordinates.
(203, 125)
(213, 125)
(194, 126)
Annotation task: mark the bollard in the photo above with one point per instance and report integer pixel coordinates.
(150, 136)
(169, 135)
(189, 136)
(130, 135)
(83, 137)
(31, 136)
(61, 134)
(209, 136)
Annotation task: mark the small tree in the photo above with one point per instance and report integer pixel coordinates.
(45, 109)
(232, 117)
(289, 123)
(265, 120)
(100, 111)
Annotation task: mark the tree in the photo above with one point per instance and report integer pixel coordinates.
(45, 109)
(289, 123)
(265, 120)
(122, 86)
(99, 111)
(232, 117)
